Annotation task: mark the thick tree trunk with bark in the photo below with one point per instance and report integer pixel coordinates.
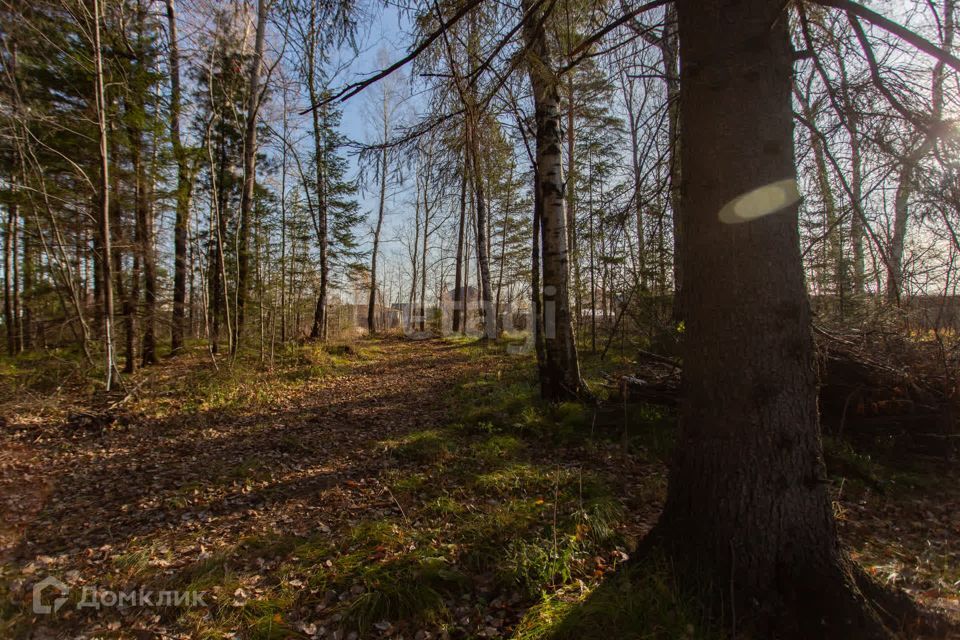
(747, 509)
(560, 374)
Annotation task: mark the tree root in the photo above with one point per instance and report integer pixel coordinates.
(837, 601)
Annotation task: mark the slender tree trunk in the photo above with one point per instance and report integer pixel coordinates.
(483, 256)
(670, 52)
(414, 267)
(593, 274)
(459, 290)
(503, 244)
(26, 321)
(464, 297)
(149, 343)
(17, 318)
(372, 302)
(319, 330)
(910, 163)
(852, 121)
(10, 280)
(249, 172)
(184, 187)
(129, 297)
(423, 257)
(560, 375)
(747, 506)
(832, 270)
(637, 198)
(856, 221)
(571, 195)
(537, 326)
(104, 202)
(901, 201)
(9, 284)
(143, 252)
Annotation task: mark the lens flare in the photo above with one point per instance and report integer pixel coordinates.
(760, 202)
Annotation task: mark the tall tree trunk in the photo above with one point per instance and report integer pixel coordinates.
(148, 348)
(26, 320)
(104, 203)
(459, 290)
(128, 298)
(901, 201)
(503, 244)
(670, 52)
(638, 203)
(910, 162)
(536, 301)
(143, 252)
(9, 284)
(832, 269)
(319, 329)
(593, 267)
(184, 187)
(249, 172)
(372, 302)
(571, 195)
(858, 280)
(312, 44)
(747, 504)
(483, 255)
(560, 375)
(423, 257)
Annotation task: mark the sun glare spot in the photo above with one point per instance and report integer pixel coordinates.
(760, 202)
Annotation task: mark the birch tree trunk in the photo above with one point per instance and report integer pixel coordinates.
(560, 375)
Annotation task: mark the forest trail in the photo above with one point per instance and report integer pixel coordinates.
(143, 500)
(294, 468)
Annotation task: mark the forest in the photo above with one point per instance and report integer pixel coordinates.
(463, 319)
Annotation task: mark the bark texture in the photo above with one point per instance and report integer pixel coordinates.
(560, 373)
(249, 171)
(747, 508)
(182, 223)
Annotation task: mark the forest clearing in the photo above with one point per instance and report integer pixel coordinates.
(461, 319)
(391, 488)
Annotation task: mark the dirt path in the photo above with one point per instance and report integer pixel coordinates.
(84, 502)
